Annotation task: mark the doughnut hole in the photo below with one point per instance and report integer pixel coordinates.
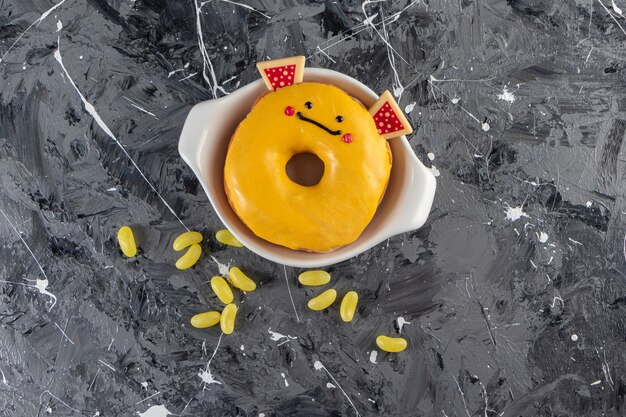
(305, 169)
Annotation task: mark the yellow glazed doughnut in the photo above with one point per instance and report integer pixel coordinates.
(319, 119)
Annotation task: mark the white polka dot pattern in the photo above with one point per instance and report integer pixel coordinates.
(386, 120)
(280, 76)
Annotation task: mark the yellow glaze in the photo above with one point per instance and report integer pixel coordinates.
(391, 344)
(222, 289)
(204, 320)
(315, 218)
(126, 239)
(224, 236)
(186, 239)
(348, 306)
(227, 321)
(314, 278)
(241, 280)
(190, 257)
(324, 300)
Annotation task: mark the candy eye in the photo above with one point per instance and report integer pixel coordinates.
(308, 105)
(339, 119)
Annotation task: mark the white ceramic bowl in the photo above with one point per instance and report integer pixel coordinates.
(204, 142)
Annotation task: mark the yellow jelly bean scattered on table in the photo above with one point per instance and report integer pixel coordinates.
(324, 300)
(186, 239)
(314, 278)
(227, 321)
(222, 289)
(391, 344)
(224, 236)
(241, 280)
(127, 241)
(348, 306)
(204, 320)
(190, 257)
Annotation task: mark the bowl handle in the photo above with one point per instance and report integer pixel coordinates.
(193, 136)
(416, 198)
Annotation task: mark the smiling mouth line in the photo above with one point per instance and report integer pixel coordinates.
(318, 124)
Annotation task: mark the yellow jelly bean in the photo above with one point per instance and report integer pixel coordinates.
(222, 290)
(127, 241)
(204, 320)
(187, 239)
(391, 344)
(227, 321)
(324, 300)
(190, 257)
(348, 306)
(241, 280)
(224, 236)
(313, 278)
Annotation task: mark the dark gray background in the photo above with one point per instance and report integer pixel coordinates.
(514, 289)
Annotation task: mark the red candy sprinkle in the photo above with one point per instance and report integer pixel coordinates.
(281, 76)
(289, 111)
(347, 138)
(386, 120)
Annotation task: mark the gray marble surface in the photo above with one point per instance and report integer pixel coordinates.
(512, 296)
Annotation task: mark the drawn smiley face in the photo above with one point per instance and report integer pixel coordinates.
(347, 137)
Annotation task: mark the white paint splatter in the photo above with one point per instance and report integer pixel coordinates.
(401, 322)
(41, 285)
(319, 366)
(373, 356)
(92, 111)
(514, 213)
(612, 17)
(330, 385)
(245, 6)
(543, 237)
(188, 76)
(455, 100)
(409, 107)
(615, 8)
(64, 334)
(140, 108)
(555, 299)
(206, 61)
(284, 378)
(485, 126)
(36, 22)
(431, 156)
(4, 379)
(588, 204)
(144, 384)
(59, 26)
(397, 87)
(574, 337)
(156, 411)
(599, 381)
(205, 374)
(112, 189)
(507, 96)
(435, 171)
(275, 336)
(223, 269)
(575, 241)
